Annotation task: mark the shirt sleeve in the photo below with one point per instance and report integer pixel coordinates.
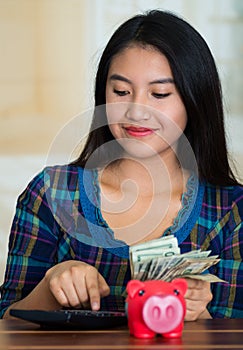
(32, 243)
(228, 297)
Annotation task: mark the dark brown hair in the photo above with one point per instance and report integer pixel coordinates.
(197, 81)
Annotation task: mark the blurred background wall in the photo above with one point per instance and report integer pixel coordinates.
(49, 53)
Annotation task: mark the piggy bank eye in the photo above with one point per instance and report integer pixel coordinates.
(141, 292)
(176, 292)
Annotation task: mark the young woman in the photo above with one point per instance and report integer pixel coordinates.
(155, 163)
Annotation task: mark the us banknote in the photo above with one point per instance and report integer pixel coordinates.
(161, 259)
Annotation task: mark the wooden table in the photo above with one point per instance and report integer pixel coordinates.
(203, 334)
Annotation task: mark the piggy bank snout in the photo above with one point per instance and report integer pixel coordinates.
(162, 313)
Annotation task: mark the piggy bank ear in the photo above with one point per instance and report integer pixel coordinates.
(133, 287)
(180, 284)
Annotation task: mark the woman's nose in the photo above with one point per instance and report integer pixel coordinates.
(137, 112)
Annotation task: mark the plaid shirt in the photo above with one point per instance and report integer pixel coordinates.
(58, 218)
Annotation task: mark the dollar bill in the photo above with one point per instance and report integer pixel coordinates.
(208, 277)
(161, 259)
(152, 249)
(166, 242)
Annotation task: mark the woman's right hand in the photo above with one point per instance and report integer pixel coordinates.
(76, 284)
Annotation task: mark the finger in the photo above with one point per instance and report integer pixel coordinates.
(197, 284)
(58, 292)
(190, 315)
(195, 310)
(92, 287)
(71, 295)
(64, 291)
(81, 290)
(192, 283)
(66, 296)
(103, 286)
(195, 307)
(193, 294)
(203, 294)
(60, 296)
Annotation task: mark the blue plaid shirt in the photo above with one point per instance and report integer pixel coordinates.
(58, 218)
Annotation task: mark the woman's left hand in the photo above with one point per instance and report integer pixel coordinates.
(197, 297)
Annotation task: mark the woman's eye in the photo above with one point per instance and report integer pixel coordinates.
(157, 95)
(121, 92)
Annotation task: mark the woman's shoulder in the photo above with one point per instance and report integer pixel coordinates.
(232, 190)
(56, 177)
(53, 184)
(224, 197)
(66, 169)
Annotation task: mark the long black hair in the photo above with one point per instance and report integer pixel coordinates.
(196, 79)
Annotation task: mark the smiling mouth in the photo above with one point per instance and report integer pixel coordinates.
(138, 131)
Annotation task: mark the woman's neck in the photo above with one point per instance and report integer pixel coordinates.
(140, 198)
(146, 176)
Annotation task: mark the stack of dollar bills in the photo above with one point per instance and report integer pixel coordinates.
(160, 259)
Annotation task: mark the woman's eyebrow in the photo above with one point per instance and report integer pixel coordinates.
(157, 81)
(163, 81)
(120, 77)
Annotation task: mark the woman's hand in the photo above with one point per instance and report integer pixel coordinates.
(197, 297)
(76, 284)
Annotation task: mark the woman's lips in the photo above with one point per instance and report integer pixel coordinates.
(138, 131)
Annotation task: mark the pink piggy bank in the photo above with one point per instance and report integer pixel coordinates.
(156, 307)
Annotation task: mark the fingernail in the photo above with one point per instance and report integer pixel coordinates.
(95, 305)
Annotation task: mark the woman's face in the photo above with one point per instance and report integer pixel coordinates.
(144, 109)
